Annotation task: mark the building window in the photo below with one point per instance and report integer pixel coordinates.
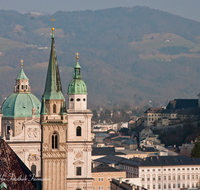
(188, 176)
(22, 87)
(164, 186)
(174, 185)
(154, 186)
(78, 131)
(179, 185)
(174, 177)
(54, 108)
(108, 178)
(78, 170)
(159, 186)
(154, 178)
(148, 179)
(33, 169)
(71, 99)
(142, 179)
(179, 177)
(26, 87)
(84, 101)
(164, 177)
(196, 176)
(17, 87)
(169, 177)
(54, 141)
(183, 176)
(148, 186)
(7, 130)
(192, 176)
(169, 185)
(183, 185)
(159, 178)
(78, 99)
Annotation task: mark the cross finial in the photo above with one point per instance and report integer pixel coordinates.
(53, 20)
(22, 61)
(77, 54)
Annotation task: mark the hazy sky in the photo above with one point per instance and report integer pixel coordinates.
(185, 8)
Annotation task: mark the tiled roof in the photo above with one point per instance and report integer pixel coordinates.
(182, 103)
(104, 168)
(105, 151)
(109, 159)
(170, 161)
(15, 173)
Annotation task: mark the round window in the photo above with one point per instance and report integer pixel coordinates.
(78, 99)
(83, 99)
(71, 99)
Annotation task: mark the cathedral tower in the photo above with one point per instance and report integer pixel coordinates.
(78, 135)
(54, 122)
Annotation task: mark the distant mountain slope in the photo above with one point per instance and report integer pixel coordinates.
(127, 54)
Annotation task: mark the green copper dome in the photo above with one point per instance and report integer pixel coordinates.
(20, 105)
(77, 85)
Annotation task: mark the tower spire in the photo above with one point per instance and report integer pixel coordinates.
(53, 88)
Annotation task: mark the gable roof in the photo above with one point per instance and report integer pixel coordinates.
(105, 151)
(104, 168)
(110, 159)
(170, 161)
(182, 104)
(13, 170)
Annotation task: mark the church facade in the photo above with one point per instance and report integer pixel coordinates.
(54, 142)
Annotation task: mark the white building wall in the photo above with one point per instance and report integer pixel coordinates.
(170, 177)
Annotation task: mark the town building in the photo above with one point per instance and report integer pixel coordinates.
(103, 174)
(119, 184)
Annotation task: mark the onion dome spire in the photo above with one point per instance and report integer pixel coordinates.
(22, 74)
(77, 85)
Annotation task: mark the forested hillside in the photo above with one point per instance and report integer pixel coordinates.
(127, 54)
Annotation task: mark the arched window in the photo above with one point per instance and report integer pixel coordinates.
(54, 141)
(78, 131)
(26, 87)
(17, 87)
(54, 108)
(33, 169)
(22, 87)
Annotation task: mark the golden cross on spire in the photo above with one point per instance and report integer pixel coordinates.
(77, 54)
(53, 20)
(22, 61)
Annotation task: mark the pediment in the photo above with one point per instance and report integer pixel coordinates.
(31, 122)
(78, 162)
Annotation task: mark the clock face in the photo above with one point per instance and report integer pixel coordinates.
(78, 155)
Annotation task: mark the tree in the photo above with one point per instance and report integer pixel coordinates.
(196, 150)
(95, 115)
